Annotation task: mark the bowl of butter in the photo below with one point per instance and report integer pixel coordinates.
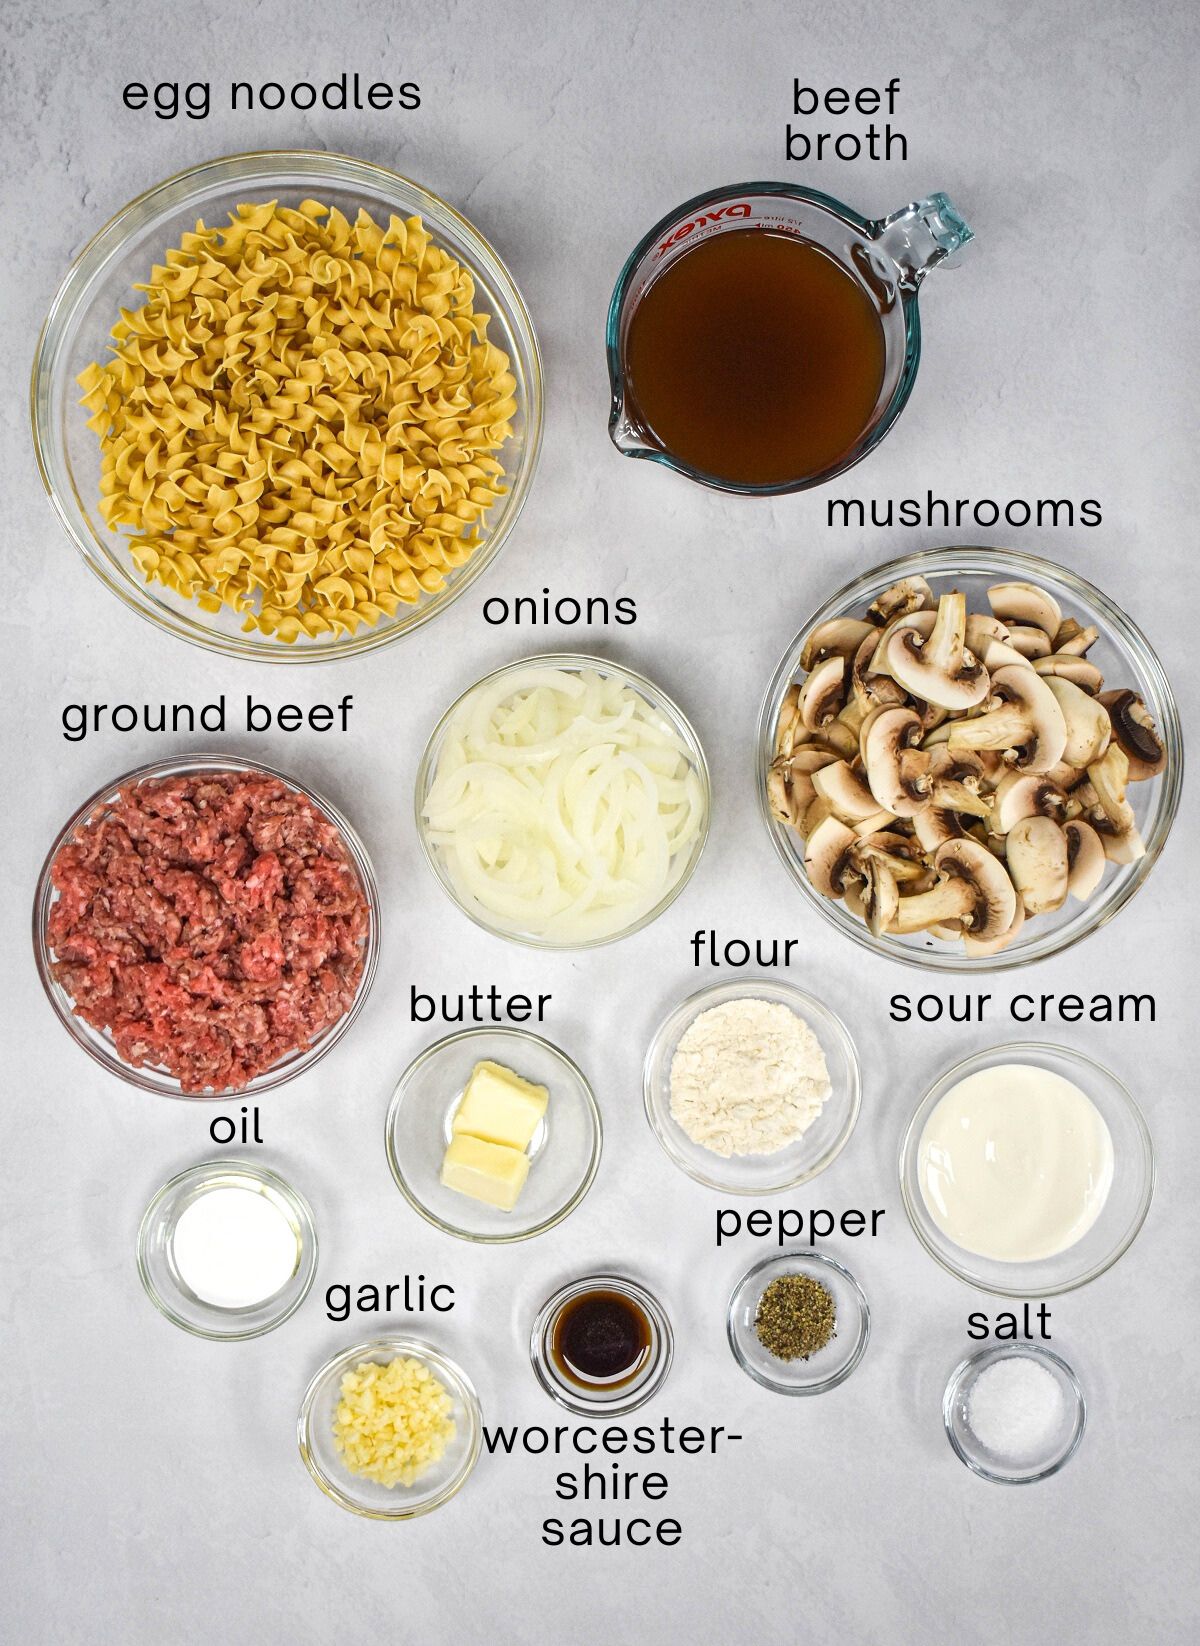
(493, 1135)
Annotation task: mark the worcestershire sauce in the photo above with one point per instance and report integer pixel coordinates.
(601, 1338)
(755, 358)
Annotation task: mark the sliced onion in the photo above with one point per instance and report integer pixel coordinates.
(564, 805)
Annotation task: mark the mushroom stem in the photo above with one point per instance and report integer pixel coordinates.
(1002, 728)
(949, 900)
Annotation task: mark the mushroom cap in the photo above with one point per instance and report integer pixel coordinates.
(1085, 859)
(827, 855)
(837, 636)
(995, 900)
(1067, 666)
(896, 768)
(1025, 603)
(910, 594)
(1026, 794)
(1029, 640)
(1134, 730)
(870, 689)
(823, 693)
(1089, 728)
(846, 790)
(921, 623)
(1036, 853)
(1027, 723)
(981, 947)
(938, 667)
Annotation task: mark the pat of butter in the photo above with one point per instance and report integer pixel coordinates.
(500, 1107)
(490, 1172)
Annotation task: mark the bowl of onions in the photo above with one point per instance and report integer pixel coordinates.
(563, 801)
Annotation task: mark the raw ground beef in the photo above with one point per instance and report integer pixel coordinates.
(211, 924)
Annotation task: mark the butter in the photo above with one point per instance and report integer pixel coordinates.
(491, 1172)
(500, 1107)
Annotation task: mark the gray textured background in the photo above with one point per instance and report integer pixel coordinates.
(152, 1486)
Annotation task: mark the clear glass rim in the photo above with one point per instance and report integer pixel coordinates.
(289, 1068)
(862, 1322)
(945, 562)
(658, 699)
(397, 1101)
(693, 1005)
(988, 1356)
(612, 341)
(1014, 1051)
(393, 1345)
(575, 1400)
(107, 242)
(237, 1166)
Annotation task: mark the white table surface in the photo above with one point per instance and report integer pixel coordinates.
(152, 1487)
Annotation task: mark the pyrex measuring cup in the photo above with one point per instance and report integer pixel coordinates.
(888, 259)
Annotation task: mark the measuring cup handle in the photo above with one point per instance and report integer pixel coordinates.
(924, 235)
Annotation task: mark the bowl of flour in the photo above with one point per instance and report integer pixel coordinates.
(752, 1086)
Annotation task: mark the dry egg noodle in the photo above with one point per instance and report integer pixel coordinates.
(300, 421)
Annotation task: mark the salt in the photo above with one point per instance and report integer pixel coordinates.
(1015, 1407)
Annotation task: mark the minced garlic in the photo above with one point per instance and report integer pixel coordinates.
(393, 1421)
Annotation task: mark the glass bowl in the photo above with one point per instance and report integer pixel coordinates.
(169, 1291)
(97, 1043)
(101, 281)
(1125, 658)
(1123, 1212)
(756, 1174)
(571, 663)
(828, 1366)
(565, 1149)
(1060, 1447)
(314, 1431)
(587, 1400)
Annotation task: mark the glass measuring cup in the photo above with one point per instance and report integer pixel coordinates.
(887, 259)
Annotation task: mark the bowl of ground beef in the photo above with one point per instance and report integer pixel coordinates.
(207, 927)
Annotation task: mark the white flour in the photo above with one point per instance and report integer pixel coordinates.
(748, 1077)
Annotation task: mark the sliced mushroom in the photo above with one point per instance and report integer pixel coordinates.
(910, 594)
(837, 736)
(1078, 643)
(827, 856)
(1029, 641)
(1036, 853)
(1025, 794)
(939, 667)
(1136, 733)
(823, 693)
(1088, 727)
(1085, 859)
(980, 948)
(1067, 666)
(935, 825)
(1116, 826)
(999, 654)
(1025, 603)
(872, 690)
(846, 791)
(897, 769)
(973, 887)
(919, 622)
(788, 724)
(838, 637)
(1026, 722)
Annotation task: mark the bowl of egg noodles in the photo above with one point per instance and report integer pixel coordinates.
(288, 406)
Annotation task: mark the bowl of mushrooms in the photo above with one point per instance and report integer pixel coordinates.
(969, 759)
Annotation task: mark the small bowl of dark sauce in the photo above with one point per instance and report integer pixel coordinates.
(602, 1343)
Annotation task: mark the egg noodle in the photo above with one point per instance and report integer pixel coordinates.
(300, 422)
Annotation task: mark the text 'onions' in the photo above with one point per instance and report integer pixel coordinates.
(564, 807)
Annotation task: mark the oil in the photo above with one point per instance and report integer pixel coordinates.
(755, 359)
(601, 1339)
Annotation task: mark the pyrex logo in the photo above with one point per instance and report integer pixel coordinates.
(715, 215)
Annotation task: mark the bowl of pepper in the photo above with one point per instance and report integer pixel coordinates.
(798, 1323)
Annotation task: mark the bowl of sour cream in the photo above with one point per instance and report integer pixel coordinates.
(1027, 1170)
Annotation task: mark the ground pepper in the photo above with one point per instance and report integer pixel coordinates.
(796, 1316)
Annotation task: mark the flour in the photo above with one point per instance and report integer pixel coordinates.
(748, 1077)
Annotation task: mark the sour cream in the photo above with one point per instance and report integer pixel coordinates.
(1015, 1163)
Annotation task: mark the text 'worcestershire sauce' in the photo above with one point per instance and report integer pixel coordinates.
(755, 358)
(601, 1338)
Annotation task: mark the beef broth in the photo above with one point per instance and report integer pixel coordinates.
(755, 359)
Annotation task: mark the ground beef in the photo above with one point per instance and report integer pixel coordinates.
(210, 924)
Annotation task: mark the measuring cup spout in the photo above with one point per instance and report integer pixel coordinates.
(924, 235)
